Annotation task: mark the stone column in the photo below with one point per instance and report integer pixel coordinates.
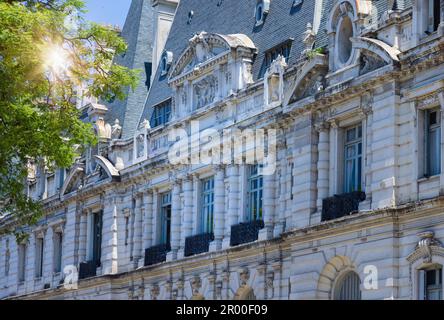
(323, 164)
(187, 227)
(138, 221)
(82, 237)
(268, 207)
(148, 222)
(175, 221)
(233, 202)
(219, 209)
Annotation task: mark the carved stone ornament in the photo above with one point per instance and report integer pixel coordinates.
(274, 85)
(103, 129)
(196, 284)
(205, 91)
(309, 37)
(116, 132)
(427, 247)
(244, 276)
(140, 145)
(155, 290)
(369, 62)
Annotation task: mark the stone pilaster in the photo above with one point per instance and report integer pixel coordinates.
(138, 221)
(219, 209)
(269, 194)
(82, 237)
(148, 222)
(280, 214)
(175, 221)
(109, 242)
(233, 202)
(48, 256)
(187, 227)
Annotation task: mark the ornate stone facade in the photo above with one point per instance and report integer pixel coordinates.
(365, 101)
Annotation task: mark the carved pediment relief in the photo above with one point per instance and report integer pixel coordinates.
(205, 91)
(204, 48)
(75, 179)
(369, 61)
(376, 50)
(310, 80)
(427, 248)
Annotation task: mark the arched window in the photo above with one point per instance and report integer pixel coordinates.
(348, 287)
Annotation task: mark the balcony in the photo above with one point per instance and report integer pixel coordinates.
(87, 269)
(156, 254)
(198, 244)
(245, 232)
(341, 205)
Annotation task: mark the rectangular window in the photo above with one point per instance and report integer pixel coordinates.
(21, 262)
(165, 219)
(161, 114)
(96, 238)
(61, 178)
(58, 245)
(50, 185)
(433, 284)
(39, 251)
(353, 159)
(254, 196)
(208, 205)
(433, 142)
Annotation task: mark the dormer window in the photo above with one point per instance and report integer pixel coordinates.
(262, 8)
(282, 49)
(161, 114)
(165, 62)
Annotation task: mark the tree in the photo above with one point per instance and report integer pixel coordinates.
(47, 50)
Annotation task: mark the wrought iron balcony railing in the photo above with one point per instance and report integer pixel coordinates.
(156, 254)
(245, 232)
(198, 244)
(341, 205)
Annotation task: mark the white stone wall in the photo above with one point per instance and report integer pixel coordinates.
(297, 256)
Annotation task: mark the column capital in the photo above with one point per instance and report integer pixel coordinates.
(322, 126)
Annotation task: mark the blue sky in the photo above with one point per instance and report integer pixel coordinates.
(108, 11)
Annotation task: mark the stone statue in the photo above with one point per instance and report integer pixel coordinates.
(308, 38)
(116, 132)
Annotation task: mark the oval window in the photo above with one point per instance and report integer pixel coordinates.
(344, 42)
(259, 12)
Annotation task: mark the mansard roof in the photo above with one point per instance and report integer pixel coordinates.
(283, 22)
(138, 33)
